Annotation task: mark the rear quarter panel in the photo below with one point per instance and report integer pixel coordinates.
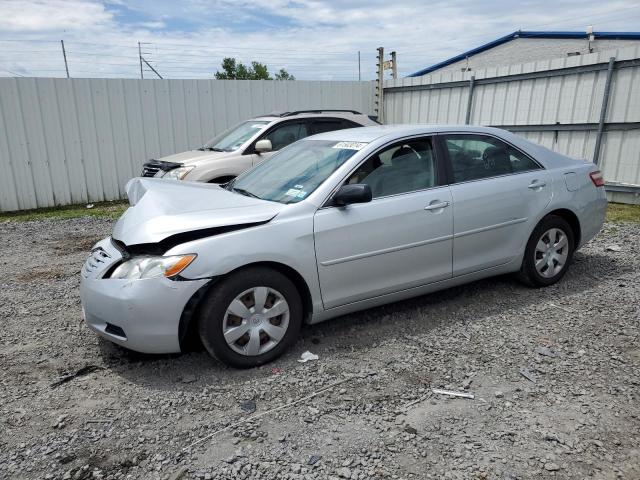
(572, 187)
(574, 191)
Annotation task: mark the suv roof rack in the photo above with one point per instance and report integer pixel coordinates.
(297, 112)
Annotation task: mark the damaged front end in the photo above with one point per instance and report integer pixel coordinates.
(132, 289)
(166, 213)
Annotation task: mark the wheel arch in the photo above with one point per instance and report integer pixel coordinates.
(188, 326)
(222, 179)
(572, 219)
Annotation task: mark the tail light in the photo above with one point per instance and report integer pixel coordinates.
(597, 178)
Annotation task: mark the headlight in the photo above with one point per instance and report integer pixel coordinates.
(178, 173)
(147, 266)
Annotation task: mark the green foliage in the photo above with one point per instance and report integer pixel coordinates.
(284, 75)
(232, 70)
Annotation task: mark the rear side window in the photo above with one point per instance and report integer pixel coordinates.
(331, 124)
(474, 157)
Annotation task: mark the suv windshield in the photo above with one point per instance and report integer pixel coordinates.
(295, 171)
(233, 138)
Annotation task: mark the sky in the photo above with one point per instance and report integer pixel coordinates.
(311, 39)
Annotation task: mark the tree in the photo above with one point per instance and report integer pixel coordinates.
(284, 75)
(232, 70)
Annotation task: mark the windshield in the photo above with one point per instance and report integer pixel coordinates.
(295, 171)
(233, 138)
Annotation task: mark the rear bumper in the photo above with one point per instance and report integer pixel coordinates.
(142, 315)
(592, 217)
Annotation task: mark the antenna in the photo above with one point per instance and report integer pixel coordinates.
(64, 54)
(590, 38)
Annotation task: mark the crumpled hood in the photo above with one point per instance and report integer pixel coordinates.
(194, 157)
(162, 208)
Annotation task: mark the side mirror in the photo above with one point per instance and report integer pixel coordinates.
(263, 146)
(356, 193)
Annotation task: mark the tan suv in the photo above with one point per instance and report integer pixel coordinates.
(249, 143)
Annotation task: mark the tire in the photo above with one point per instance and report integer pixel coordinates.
(539, 268)
(240, 292)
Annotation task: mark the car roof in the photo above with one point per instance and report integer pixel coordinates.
(372, 133)
(349, 115)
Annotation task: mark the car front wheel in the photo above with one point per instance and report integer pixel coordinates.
(251, 317)
(548, 253)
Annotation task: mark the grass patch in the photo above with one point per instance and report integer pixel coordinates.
(100, 209)
(621, 212)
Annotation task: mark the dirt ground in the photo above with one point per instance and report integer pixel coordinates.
(555, 374)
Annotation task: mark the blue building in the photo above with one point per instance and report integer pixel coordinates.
(522, 47)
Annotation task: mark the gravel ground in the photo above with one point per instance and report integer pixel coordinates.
(573, 413)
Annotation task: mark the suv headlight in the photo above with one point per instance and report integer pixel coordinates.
(149, 266)
(178, 173)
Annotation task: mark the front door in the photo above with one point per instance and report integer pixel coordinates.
(281, 135)
(399, 240)
(497, 194)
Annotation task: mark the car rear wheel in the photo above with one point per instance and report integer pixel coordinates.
(251, 317)
(548, 253)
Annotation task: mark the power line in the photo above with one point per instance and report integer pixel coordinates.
(168, 46)
(12, 73)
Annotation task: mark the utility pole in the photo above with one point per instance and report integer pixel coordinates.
(379, 107)
(64, 55)
(394, 66)
(140, 56)
(359, 74)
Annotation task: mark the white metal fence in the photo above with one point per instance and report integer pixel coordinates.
(65, 141)
(556, 103)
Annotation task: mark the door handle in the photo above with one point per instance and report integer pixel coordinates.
(436, 206)
(536, 184)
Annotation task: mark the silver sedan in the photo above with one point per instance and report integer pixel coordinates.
(335, 223)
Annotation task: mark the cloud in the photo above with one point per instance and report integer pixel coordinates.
(152, 25)
(51, 15)
(312, 39)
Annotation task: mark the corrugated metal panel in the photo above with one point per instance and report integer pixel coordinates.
(79, 140)
(565, 99)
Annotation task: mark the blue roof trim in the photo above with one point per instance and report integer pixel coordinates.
(526, 34)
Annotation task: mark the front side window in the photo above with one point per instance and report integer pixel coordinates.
(235, 137)
(474, 157)
(295, 172)
(286, 134)
(403, 167)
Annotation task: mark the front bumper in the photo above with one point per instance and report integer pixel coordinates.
(142, 315)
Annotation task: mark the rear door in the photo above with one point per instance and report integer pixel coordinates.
(498, 192)
(399, 240)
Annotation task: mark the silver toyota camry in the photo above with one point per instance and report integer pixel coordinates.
(335, 223)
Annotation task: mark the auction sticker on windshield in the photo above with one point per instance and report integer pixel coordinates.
(296, 192)
(350, 145)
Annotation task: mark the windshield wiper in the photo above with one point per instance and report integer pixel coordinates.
(246, 193)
